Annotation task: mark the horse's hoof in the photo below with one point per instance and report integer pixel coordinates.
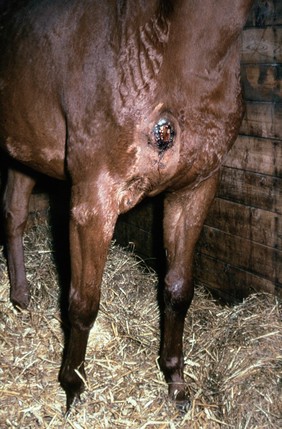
(183, 406)
(72, 385)
(72, 400)
(180, 397)
(20, 301)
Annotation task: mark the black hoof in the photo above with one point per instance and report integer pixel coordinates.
(20, 300)
(183, 406)
(180, 396)
(72, 400)
(72, 385)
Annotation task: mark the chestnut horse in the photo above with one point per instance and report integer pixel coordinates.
(123, 99)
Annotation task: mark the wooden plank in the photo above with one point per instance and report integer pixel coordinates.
(50, 202)
(264, 13)
(262, 82)
(243, 254)
(251, 189)
(147, 244)
(262, 45)
(39, 202)
(142, 227)
(146, 215)
(256, 154)
(260, 226)
(230, 282)
(262, 120)
(256, 225)
(241, 265)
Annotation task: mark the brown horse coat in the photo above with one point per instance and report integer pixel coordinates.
(125, 99)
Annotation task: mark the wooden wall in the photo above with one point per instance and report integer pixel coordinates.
(240, 248)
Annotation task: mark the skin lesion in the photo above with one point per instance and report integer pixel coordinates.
(162, 129)
(157, 141)
(163, 134)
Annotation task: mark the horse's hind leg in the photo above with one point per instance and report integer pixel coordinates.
(15, 212)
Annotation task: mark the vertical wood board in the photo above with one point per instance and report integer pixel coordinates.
(262, 45)
(262, 120)
(255, 154)
(230, 282)
(251, 189)
(262, 82)
(258, 259)
(265, 13)
(257, 225)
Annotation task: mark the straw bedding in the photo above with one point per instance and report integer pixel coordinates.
(233, 354)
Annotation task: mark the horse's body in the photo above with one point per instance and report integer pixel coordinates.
(125, 99)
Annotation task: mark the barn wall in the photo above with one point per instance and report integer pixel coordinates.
(240, 248)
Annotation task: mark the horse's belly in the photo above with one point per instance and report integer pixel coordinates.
(46, 156)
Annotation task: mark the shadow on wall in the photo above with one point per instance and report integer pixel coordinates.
(142, 228)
